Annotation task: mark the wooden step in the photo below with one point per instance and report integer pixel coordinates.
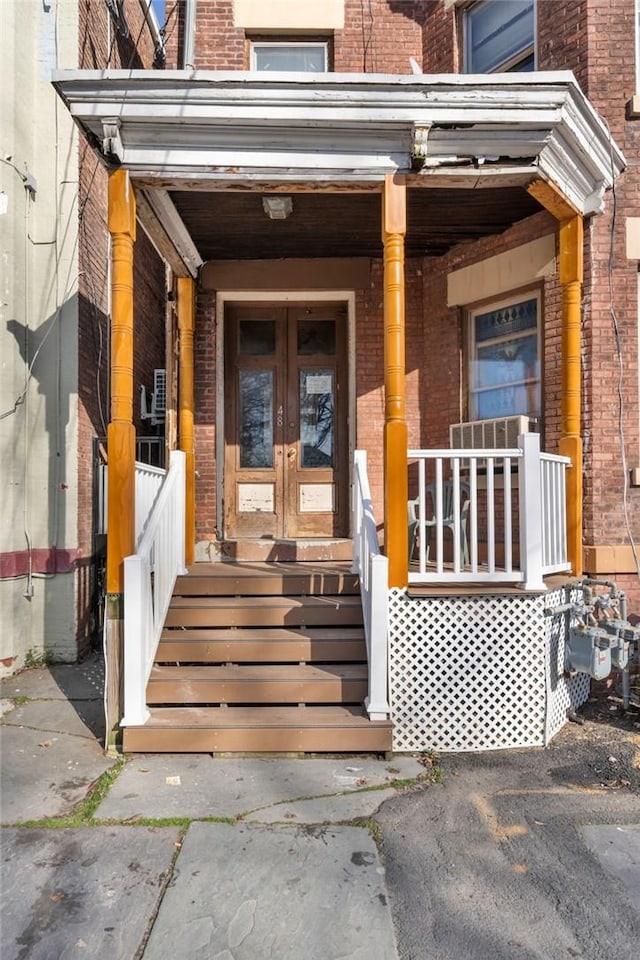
(267, 579)
(337, 683)
(263, 611)
(259, 730)
(273, 645)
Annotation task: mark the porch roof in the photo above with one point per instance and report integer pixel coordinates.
(179, 131)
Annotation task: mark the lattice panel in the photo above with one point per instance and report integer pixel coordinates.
(468, 672)
(563, 692)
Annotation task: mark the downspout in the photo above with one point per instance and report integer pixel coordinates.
(188, 55)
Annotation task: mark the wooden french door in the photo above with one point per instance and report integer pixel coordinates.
(286, 432)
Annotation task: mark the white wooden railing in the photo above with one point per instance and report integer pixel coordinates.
(148, 483)
(372, 569)
(554, 513)
(149, 578)
(527, 505)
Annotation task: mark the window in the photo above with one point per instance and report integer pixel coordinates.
(504, 359)
(499, 36)
(294, 55)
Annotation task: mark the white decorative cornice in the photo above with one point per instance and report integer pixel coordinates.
(179, 126)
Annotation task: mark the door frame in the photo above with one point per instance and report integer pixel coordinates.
(224, 297)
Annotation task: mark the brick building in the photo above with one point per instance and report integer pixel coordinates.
(362, 227)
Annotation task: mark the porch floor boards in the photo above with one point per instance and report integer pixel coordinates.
(261, 657)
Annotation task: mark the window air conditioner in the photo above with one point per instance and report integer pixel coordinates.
(500, 434)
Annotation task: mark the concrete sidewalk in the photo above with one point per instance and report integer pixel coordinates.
(524, 854)
(142, 869)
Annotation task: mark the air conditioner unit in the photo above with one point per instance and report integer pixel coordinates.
(158, 399)
(499, 434)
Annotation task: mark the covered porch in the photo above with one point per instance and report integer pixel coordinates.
(385, 175)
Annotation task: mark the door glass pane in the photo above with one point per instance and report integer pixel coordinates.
(317, 336)
(256, 418)
(316, 418)
(257, 338)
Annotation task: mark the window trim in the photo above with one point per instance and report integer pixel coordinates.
(257, 43)
(507, 65)
(487, 306)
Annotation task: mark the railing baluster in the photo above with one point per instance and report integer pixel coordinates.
(491, 517)
(439, 536)
(473, 492)
(508, 507)
(456, 514)
(422, 528)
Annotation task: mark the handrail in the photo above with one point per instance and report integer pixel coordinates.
(148, 482)
(372, 569)
(149, 578)
(513, 494)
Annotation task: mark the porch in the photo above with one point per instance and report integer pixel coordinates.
(324, 657)
(420, 165)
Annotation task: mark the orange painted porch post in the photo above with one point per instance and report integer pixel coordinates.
(571, 275)
(186, 325)
(570, 271)
(121, 435)
(396, 486)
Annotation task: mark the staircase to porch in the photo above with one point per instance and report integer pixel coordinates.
(261, 657)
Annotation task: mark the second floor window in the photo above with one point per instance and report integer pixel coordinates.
(295, 56)
(499, 36)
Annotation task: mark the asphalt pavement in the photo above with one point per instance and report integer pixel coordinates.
(515, 854)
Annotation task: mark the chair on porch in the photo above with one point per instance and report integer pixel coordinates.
(447, 517)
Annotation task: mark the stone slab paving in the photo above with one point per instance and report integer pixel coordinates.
(50, 745)
(618, 850)
(81, 893)
(199, 786)
(242, 892)
(45, 774)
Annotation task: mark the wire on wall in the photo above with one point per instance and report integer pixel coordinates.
(620, 362)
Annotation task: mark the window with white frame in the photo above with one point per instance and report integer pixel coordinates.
(504, 358)
(499, 36)
(295, 55)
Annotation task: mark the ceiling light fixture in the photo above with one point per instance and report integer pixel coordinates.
(277, 208)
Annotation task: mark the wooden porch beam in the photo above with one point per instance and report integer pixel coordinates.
(571, 242)
(186, 327)
(396, 489)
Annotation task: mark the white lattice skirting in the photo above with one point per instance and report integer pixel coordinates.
(478, 672)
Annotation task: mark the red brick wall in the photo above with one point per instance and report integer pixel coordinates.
(379, 37)
(103, 42)
(205, 415)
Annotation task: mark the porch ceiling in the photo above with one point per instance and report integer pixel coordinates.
(230, 226)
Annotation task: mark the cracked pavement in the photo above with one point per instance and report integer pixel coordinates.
(519, 854)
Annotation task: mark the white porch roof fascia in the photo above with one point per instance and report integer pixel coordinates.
(175, 127)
